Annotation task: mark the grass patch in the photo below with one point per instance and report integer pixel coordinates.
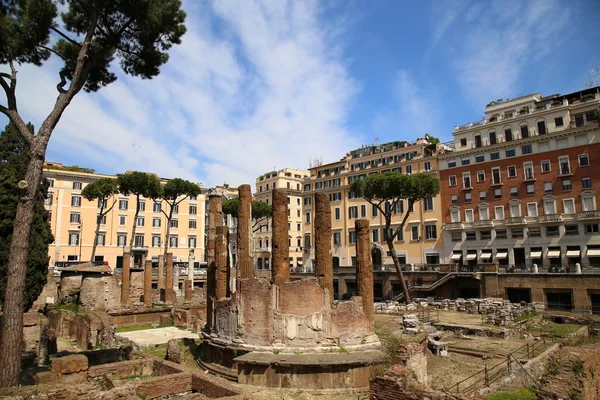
(160, 351)
(527, 316)
(520, 394)
(73, 307)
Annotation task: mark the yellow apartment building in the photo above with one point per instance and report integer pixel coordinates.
(291, 179)
(73, 223)
(420, 242)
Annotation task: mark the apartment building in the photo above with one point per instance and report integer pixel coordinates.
(73, 223)
(520, 186)
(420, 242)
(290, 179)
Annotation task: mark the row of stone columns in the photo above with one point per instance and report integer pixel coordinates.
(164, 283)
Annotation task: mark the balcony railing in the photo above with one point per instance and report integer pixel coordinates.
(515, 221)
(588, 215)
(263, 249)
(454, 226)
(544, 219)
(487, 223)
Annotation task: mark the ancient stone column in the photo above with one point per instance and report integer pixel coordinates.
(364, 270)
(323, 259)
(148, 283)
(221, 261)
(281, 246)
(244, 233)
(210, 293)
(161, 272)
(169, 279)
(188, 291)
(125, 278)
(215, 218)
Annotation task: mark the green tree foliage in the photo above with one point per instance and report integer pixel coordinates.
(139, 184)
(384, 191)
(174, 192)
(261, 212)
(13, 164)
(93, 34)
(74, 168)
(102, 190)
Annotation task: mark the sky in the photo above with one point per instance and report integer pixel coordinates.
(261, 85)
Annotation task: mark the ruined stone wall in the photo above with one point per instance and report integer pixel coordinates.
(70, 284)
(399, 384)
(99, 292)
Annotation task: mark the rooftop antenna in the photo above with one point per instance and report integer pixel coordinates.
(593, 82)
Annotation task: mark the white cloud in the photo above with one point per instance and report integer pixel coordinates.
(254, 85)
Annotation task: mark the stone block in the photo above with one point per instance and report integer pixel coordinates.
(70, 364)
(173, 351)
(77, 377)
(45, 377)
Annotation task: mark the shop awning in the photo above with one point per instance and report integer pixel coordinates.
(593, 253)
(456, 256)
(502, 255)
(536, 254)
(573, 253)
(554, 254)
(471, 256)
(486, 256)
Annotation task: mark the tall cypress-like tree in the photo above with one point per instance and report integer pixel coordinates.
(13, 165)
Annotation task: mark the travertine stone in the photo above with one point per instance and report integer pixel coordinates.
(323, 259)
(364, 270)
(215, 218)
(148, 283)
(161, 272)
(244, 232)
(210, 293)
(222, 240)
(169, 279)
(281, 247)
(188, 290)
(125, 277)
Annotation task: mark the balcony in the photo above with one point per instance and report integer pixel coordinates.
(487, 223)
(545, 219)
(588, 215)
(515, 221)
(263, 249)
(453, 226)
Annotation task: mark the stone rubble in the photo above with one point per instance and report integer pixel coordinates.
(410, 323)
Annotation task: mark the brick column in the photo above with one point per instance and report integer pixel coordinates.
(221, 261)
(125, 279)
(190, 278)
(188, 291)
(169, 280)
(281, 246)
(215, 218)
(210, 293)
(323, 260)
(364, 270)
(148, 283)
(244, 233)
(161, 273)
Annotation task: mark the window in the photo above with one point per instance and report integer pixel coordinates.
(102, 219)
(451, 164)
(579, 119)
(588, 203)
(590, 116)
(155, 241)
(353, 212)
(541, 127)
(515, 210)
(156, 207)
(552, 231)
(122, 220)
(306, 187)
(101, 239)
(517, 233)
(495, 156)
(121, 239)
(497, 193)
(307, 201)
(299, 228)
(454, 199)
(408, 169)
(174, 223)
(337, 213)
(456, 236)
(565, 168)
(363, 211)
(430, 232)
(192, 224)
(482, 195)
(511, 153)
(562, 143)
(73, 238)
(75, 218)
(428, 201)
(466, 180)
(545, 165)
(414, 232)
(176, 209)
(337, 238)
(486, 235)
(571, 230)
(465, 161)
(374, 210)
(566, 184)
(463, 142)
(478, 141)
(193, 198)
(501, 234)
(569, 206)
(75, 201)
(352, 237)
(534, 232)
(156, 222)
(307, 241)
(584, 161)
(528, 170)
(558, 121)
(375, 235)
(173, 241)
(139, 240)
(496, 176)
(48, 199)
(514, 191)
(193, 210)
(427, 166)
(77, 185)
(512, 171)
(454, 216)
(530, 189)
(192, 242)
(142, 205)
(50, 182)
(524, 131)
(452, 180)
(591, 228)
(549, 207)
(499, 212)
(468, 197)
(508, 135)
(479, 159)
(480, 176)
(123, 204)
(586, 183)
(532, 210)
(484, 214)
(471, 236)
(469, 216)
(399, 235)
(307, 217)
(547, 187)
(493, 139)
(140, 221)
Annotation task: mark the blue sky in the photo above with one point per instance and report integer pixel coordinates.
(258, 85)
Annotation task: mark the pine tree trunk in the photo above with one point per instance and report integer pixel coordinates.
(12, 318)
(98, 221)
(137, 212)
(390, 243)
(168, 232)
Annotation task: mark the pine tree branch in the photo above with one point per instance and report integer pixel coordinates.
(52, 50)
(65, 36)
